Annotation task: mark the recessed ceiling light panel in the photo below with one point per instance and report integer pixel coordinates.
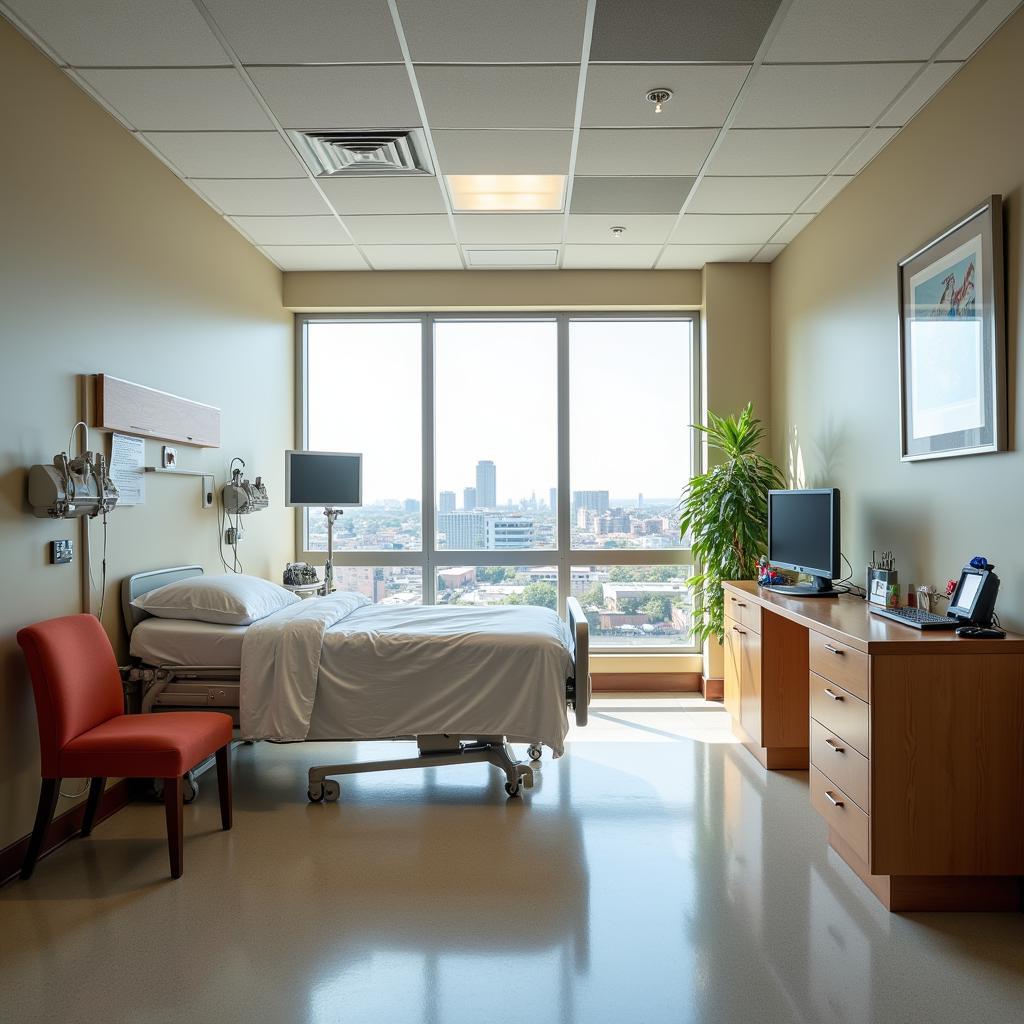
(506, 193)
(512, 257)
(331, 154)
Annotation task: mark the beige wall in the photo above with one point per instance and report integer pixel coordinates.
(108, 263)
(835, 378)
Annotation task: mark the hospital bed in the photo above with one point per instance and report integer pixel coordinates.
(179, 664)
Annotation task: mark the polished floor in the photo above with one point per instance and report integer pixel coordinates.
(655, 874)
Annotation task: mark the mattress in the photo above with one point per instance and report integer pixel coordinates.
(184, 642)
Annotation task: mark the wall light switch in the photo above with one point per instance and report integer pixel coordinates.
(61, 552)
(170, 457)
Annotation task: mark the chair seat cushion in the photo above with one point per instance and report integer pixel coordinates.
(159, 745)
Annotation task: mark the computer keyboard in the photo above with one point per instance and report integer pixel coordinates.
(917, 618)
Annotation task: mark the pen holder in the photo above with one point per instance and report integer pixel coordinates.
(883, 587)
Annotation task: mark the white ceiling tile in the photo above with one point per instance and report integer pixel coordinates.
(512, 228)
(400, 229)
(316, 257)
(307, 31)
(866, 150)
(128, 33)
(595, 228)
(978, 29)
(169, 99)
(629, 195)
(472, 96)
(227, 154)
(822, 96)
(793, 227)
(347, 96)
(702, 96)
(509, 151)
(520, 257)
(413, 257)
(769, 252)
(727, 229)
(274, 197)
(840, 30)
(931, 80)
(654, 151)
(752, 194)
(820, 198)
(293, 230)
(494, 31)
(766, 151)
(610, 257)
(693, 257)
(419, 194)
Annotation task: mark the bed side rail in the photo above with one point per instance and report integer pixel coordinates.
(579, 634)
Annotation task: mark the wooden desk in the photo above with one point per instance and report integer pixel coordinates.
(914, 741)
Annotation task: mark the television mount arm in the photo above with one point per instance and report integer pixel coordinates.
(331, 514)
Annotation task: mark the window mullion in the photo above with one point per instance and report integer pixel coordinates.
(562, 525)
(427, 520)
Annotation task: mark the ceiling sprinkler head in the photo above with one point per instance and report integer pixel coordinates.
(659, 97)
(618, 231)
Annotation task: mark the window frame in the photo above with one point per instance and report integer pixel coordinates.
(430, 558)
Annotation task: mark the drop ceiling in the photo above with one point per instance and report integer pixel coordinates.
(777, 105)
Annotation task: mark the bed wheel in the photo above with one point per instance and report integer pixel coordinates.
(190, 788)
(512, 788)
(332, 791)
(316, 793)
(535, 750)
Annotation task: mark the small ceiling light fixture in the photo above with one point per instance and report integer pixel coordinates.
(659, 97)
(618, 231)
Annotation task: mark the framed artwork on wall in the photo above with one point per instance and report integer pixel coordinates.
(953, 340)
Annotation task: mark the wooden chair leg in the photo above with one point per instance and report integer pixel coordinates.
(224, 785)
(173, 806)
(92, 805)
(49, 794)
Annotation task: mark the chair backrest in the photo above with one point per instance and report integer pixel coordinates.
(75, 680)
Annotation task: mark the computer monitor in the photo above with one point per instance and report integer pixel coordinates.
(803, 535)
(327, 479)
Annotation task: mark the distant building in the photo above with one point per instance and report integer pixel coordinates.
(469, 498)
(453, 579)
(486, 484)
(362, 579)
(507, 533)
(411, 506)
(594, 501)
(553, 498)
(463, 531)
(612, 521)
(446, 502)
(614, 593)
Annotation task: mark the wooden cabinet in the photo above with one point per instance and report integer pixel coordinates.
(765, 684)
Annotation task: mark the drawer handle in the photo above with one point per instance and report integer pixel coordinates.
(834, 650)
(835, 746)
(832, 800)
(829, 692)
(739, 604)
(742, 632)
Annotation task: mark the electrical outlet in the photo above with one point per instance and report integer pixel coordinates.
(233, 534)
(61, 552)
(170, 457)
(208, 486)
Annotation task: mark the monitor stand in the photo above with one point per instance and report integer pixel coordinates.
(331, 514)
(817, 586)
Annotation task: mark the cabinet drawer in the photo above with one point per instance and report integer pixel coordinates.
(841, 813)
(841, 713)
(841, 664)
(836, 759)
(745, 612)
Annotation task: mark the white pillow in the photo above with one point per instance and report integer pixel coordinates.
(231, 599)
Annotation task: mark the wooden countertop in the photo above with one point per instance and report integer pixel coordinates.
(847, 619)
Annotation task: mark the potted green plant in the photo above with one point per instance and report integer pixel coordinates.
(725, 512)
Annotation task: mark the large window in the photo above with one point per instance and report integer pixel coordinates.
(511, 459)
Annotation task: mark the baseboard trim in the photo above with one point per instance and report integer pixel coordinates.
(645, 682)
(64, 827)
(712, 689)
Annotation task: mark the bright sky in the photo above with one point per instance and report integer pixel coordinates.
(495, 399)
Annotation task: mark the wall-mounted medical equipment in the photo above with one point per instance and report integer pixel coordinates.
(136, 409)
(72, 486)
(241, 496)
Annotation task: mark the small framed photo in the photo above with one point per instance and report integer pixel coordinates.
(953, 340)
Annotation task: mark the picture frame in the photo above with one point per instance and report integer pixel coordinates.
(952, 336)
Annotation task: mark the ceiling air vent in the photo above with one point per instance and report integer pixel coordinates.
(400, 151)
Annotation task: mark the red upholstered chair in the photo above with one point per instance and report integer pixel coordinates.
(84, 732)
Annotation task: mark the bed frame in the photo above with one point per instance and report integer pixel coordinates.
(191, 687)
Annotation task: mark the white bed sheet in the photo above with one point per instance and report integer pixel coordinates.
(185, 642)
